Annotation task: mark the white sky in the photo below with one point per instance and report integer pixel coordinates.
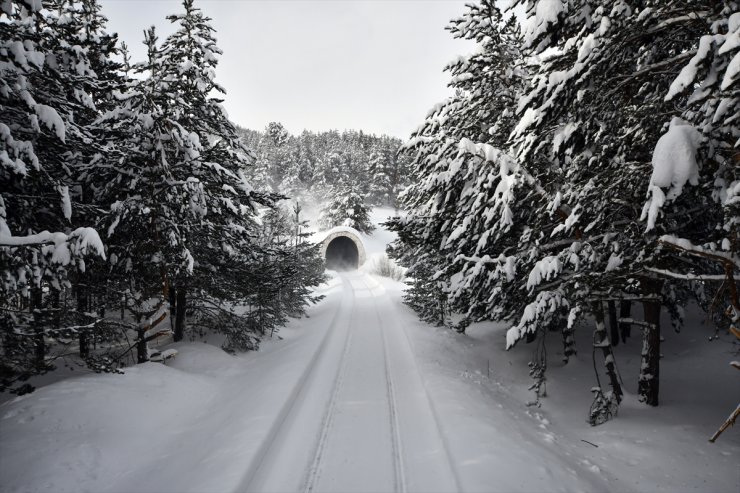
(374, 65)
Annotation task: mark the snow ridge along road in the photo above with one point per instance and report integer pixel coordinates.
(360, 418)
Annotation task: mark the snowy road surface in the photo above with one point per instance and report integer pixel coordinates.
(361, 419)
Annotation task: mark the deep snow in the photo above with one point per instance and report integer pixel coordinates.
(361, 396)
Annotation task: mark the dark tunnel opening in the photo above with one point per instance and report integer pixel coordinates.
(342, 254)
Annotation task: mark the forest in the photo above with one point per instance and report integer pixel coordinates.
(129, 200)
(587, 165)
(125, 202)
(585, 171)
(562, 229)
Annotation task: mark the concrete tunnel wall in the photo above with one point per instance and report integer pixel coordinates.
(348, 233)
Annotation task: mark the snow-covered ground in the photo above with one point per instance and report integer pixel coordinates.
(360, 396)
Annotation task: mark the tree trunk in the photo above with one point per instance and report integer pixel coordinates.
(142, 348)
(38, 326)
(602, 341)
(181, 301)
(82, 305)
(173, 308)
(625, 309)
(56, 298)
(613, 323)
(649, 382)
(569, 343)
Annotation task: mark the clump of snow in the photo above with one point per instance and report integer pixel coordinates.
(66, 203)
(529, 117)
(545, 14)
(732, 73)
(674, 164)
(688, 73)
(51, 119)
(732, 42)
(589, 44)
(544, 269)
(614, 262)
(561, 136)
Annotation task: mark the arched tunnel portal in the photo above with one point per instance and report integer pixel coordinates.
(342, 254)
(343, 250)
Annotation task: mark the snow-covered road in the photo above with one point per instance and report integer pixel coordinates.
(361, 419)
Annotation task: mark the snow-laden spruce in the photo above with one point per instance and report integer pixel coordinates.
(536, 211)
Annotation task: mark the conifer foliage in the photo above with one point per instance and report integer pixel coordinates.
(124, 200)
(587, 162)
(347, 208)
(313, 166)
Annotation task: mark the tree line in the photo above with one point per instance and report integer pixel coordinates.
(125, 199)
(587, 164)
(318, 166)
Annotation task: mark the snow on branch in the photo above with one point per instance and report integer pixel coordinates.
(687, 277)
(508, 164)
(504, 266)
(674, 164)
(545, 269)
(686, 246)
(688, 73)
(82, 241)
(541, 312)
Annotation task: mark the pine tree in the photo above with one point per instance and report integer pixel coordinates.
(45, 83)
(465, 182)
(707, 87)
(591, 113)
(347, 208)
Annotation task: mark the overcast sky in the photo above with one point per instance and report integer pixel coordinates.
(374, 65)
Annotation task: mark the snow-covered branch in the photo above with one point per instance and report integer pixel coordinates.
(81, 241)
(685, 245)
(687, 277)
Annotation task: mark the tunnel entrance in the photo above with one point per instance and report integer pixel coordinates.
(342, 254)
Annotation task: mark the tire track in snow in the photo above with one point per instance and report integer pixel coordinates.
(435, 414)
(289, 407)
(399, 472)
(314, 471)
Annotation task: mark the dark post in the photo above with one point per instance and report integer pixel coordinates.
(180, 314)
(649, 382)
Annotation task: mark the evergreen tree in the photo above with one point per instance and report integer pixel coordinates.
(605, 141)
(313, 166)
(47, 79)
(347, 208)
(464, 184)
(528, 187)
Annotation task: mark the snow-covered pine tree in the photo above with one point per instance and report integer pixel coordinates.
(186, 189)
(138, 179)
(85, 24)
(465, 184)
(347, 208)
(182, 211)
(45, 82)
(708, 87)
(224, 231)
(605, 71)
(380, 189)
(387, 172)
